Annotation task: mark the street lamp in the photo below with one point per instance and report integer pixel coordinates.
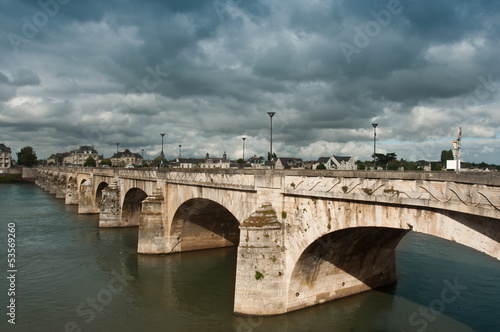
(271, 114)
(180, 151)
(162, 155)
(243, 138)
(456, 146)
(374, 142)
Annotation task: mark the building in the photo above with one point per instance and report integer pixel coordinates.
(78, 157)
(126, 158)
(326, 161)
(289, 163)
(344, 163)
(336, 162)
(216, 162)
(57, 159)
(186, 163)
(5, 157)
(259, 163)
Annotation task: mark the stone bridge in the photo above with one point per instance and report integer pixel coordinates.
(303, 237)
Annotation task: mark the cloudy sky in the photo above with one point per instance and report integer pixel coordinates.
(207, 72)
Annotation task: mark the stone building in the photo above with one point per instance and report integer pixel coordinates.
(211, 162)
(126, 158)
(78, 157)
(5, 157)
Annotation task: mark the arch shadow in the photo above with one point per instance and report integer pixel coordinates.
(98, 194)
(343, 263)
(131, 207)
(204, 224)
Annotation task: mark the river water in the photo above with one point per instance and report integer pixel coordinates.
(73, 276)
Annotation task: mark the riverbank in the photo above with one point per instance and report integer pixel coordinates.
(12, 178)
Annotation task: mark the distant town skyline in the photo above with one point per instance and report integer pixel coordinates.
(206, 73)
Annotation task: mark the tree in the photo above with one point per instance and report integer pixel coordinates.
(106, 161)
(26, 157)
(321, 166)
(446, 155)
(384, 159)
(90, 162)
(269, 156)
(159, 160)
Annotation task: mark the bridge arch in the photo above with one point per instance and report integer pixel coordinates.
(98, 194)
(131, 207)
(342, 263)
(200, 223)
(356, 251)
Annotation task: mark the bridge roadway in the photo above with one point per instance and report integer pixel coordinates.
(303, 237)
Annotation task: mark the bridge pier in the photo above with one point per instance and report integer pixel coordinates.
(53, 185)
(71, 194)
(260, 271)
(61, 188)
(86, 198)
(111, 212)
(151, 228)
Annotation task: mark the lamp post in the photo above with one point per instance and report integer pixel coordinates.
(180, 146)
(374, 142)
(243, 138)
(162, 155)
(271, 114)
(456, 147)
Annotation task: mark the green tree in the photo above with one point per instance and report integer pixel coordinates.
(321, 166)
(26, 157)
(384, 159)
(159, 159)
(90, 162)
(106, 161)
(269, 156)
(446, 155)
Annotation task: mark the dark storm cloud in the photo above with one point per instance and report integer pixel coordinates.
(206, 71)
